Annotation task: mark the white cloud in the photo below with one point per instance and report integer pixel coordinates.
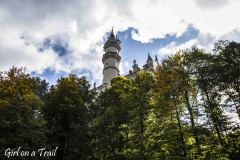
(85, 22)
(206, 4)
(19, 54)
(234, 35)
(205, 41)
(124, 67)
(173, 48)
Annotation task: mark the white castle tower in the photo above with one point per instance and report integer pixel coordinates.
(111, 58)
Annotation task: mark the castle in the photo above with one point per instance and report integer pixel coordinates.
(111, 60)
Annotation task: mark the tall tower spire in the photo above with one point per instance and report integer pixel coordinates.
(149, 64)
(111, 58)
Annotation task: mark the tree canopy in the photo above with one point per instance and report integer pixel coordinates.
(188, 108)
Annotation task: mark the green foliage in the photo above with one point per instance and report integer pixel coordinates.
(67, 114)
(188, 109)
(20, 125)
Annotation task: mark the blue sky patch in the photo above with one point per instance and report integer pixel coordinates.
(132, 49)
(59, 46)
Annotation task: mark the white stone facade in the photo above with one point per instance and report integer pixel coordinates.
(111, 58)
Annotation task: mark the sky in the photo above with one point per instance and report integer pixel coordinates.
(54, 38)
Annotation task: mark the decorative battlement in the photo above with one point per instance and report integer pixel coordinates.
(148, 66)
(112, 43)
(111, 68)
(111, 55)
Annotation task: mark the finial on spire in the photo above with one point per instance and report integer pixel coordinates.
(134, 61)
(112, 34)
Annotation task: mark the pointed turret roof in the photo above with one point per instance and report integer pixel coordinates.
(135, 66)
(112, 34)
(112, 40)
(134, 61)
(149, 58)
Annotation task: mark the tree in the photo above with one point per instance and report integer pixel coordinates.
(20, 123)
(202, 66)
(111, 125)
(139, 113)
(169, 88)
(67, 115)
(228, 69)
